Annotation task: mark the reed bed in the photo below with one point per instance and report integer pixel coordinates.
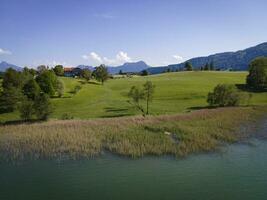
(178, 135)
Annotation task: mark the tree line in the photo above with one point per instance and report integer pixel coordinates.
(29, 91)
(100, 73)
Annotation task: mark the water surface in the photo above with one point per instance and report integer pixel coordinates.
(239, 172)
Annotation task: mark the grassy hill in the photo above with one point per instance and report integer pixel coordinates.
(174, 93)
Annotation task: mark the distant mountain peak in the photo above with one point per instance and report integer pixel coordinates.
(5, 65)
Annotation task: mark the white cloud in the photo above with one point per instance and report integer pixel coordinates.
(5, 52)
(123, 57)
(178, 58)
(120, 58)
(96, 57)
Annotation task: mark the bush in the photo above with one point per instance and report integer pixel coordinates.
(26, 109)
(224, 95)
(60, 88)
(257, 77)
(42, 106)
(47, 81)
(76, 89)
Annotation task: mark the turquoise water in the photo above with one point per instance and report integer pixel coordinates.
(238, 172)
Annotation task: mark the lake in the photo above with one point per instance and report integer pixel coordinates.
(237, 172)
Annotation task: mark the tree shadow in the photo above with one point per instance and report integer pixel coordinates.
(116, 112)
(19, 121)
(89, 82)
(201, 107)
(246, 88)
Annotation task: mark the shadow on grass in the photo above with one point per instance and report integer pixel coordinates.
(62, 97)
(246, 88)
(116, 112)
(19, 121)
(201, 107)
(89, 82)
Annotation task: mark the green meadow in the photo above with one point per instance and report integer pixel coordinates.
(179, 123)
(177, 92)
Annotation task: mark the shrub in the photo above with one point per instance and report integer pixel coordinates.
(31, 89)
(76, 89)
(47, 81)
(257, 77)
(42, 106)
(224, 95)
(60, 88)
(26, 109)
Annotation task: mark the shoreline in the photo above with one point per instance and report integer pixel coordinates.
(196, 132)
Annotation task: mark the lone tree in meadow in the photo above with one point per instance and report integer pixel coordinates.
(136, 95)
(148, 93)
(257, 77)
(188, 66)
(86, 74)
(101, 74)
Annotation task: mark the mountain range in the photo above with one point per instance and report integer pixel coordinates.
(238, 60)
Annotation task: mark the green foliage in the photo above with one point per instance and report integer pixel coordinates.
(101, 74)
(10, 98)
(60, 88)
(59, 70)
(188, 66)
(47, 81)
(42, 68)
(149, 89)
(31, 89)
(43, 107)
(175, 93)
(76, 89)
(136, 95)
(257, 77)
(224, 95)
(12, 78)
(86, 74)
(26, 109)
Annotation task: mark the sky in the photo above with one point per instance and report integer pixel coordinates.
(159, 32)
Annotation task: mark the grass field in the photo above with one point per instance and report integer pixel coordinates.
(174, 93)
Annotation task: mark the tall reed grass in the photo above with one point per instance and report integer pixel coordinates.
(178, 135)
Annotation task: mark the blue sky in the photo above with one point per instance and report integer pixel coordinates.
(160, 32)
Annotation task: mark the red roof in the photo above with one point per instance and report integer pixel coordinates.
(68, 69)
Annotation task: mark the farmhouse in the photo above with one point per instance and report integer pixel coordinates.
(72, 71)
